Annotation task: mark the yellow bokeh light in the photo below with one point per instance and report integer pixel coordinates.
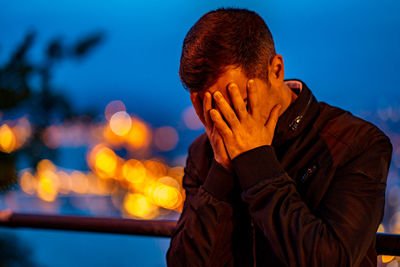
(120, 123)
(103, 161)
(139, 205)
(134, 171)
(166, 138)
(7, 139)
(166, 196)
(47, 189)
(167, 180)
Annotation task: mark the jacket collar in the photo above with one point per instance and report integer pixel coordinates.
(297, 117)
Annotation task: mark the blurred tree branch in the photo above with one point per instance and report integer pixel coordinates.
(43, 105)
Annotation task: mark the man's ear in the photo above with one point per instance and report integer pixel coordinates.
(276, 71)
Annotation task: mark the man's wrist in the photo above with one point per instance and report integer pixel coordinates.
(219, 182)
(256, 165)
(227, 165)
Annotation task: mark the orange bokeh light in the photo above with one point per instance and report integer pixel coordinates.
(139, 135)
(7, 139)
(79, 182)
(28, 183)
(155, 169)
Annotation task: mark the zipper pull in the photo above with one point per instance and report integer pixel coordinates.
(295, 123)
(308, 173)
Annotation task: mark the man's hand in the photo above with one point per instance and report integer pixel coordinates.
(203, 112)
(246, 129)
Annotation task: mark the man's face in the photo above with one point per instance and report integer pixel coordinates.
(268, 97)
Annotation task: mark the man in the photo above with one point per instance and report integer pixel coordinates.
(279, 179)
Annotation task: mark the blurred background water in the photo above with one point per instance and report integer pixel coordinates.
(94, 120)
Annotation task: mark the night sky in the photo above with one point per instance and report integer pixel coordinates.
(347, 52)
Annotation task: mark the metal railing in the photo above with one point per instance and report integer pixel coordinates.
(386, 244)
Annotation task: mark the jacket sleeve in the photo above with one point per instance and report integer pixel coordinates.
(344, 225)
(203, 233)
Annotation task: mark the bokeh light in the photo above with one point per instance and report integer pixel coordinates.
(139, 206)
(7, 139)
(139, 135)
(103, 161)
(120, 123)
(166, 138)
(52, 137)
(48, 182)
(191, 119)
(134, 171)
(113, 107)
(28, 183)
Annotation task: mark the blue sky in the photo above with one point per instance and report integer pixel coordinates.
(346, 51)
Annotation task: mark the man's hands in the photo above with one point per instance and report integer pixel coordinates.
(244, 129)
(217, 144)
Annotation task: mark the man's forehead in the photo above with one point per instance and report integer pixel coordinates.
(231, 75)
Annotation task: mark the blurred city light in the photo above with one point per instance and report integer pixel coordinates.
(191, 119)
(120, 123)
(166, 138)
(7, 139)
(113, 107)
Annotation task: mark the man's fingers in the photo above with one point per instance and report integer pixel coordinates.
(220, 124)
(198, 107)
(237, 101)
(207, 106)
(253, 98)
(273, 118)
(226, 110)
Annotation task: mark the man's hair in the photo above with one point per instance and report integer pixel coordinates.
(224, 37)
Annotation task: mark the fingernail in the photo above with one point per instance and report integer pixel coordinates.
(217, 94)
(213, 113)
(232, 85)
(251, 81)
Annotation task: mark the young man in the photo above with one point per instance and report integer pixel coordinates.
(279, 179)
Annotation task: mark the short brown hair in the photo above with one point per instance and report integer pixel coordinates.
(223, 37)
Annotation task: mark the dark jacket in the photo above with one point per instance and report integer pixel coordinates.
(315, 197)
